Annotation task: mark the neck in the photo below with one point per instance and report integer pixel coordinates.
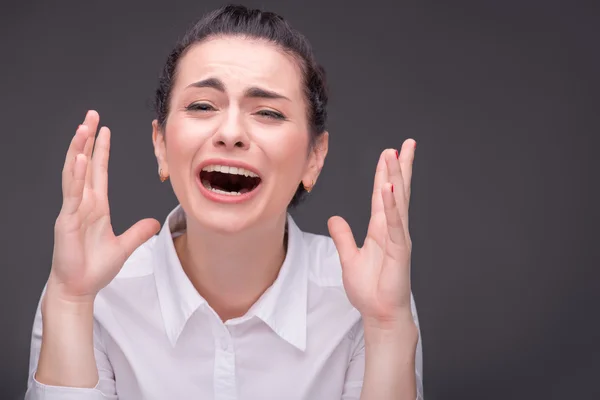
(231, 271)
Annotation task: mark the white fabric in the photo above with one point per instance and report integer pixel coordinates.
(157, 338)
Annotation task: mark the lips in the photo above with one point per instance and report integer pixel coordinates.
(227, 181)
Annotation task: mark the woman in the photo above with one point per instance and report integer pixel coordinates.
(230, 300)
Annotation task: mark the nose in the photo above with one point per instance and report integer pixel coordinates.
(232, 133)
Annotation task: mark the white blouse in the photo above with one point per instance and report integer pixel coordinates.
(155, 337)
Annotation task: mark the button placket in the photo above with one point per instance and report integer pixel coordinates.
(225, 342)
(225, 380)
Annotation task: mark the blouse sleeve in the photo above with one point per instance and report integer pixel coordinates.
(356, 368)
(104, 389)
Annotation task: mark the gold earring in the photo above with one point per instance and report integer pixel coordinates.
(309, 188)
(162, 177)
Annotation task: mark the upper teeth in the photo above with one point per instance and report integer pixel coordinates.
(229, 170)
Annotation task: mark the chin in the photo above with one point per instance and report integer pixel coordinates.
(224, 218)
(227, 220)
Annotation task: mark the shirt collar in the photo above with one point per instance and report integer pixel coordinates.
(282, 307)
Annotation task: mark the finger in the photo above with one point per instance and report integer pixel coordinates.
(342, 236)
(100, 162)
(91, 121)
(407, 158)
(74, 194)
(138, 234)
(395, 177)
(75, 147)
(381, 177)
(395, 227)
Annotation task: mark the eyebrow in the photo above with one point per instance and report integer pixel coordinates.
(252, 92)
(213, 83)
(256, 92)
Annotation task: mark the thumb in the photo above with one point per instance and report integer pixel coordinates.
(342, 236)
(138, 234)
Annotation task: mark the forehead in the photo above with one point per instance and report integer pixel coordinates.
(241, 62)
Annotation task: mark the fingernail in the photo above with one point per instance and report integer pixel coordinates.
(397, 154)
(392, 188)
(415, 144)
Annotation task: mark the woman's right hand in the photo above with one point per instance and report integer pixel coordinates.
(87, 254)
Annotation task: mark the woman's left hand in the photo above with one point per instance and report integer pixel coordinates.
(377, 276)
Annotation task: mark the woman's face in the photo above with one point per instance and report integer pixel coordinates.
(237, 103)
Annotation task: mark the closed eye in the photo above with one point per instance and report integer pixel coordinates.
(271, 114)
(200, 107)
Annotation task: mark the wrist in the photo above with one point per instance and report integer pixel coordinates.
(399, 321)
(57, 301)
(402, 330)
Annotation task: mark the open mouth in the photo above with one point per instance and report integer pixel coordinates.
(232, 181)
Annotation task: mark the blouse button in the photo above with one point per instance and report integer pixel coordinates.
(224, 343)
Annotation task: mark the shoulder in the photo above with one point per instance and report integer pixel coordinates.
(330, 311)
(133, 291)
(324, 267)
(141, 262)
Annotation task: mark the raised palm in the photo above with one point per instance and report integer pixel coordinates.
(87, 254)
(377, 276)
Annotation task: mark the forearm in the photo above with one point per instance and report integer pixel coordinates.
(67, 349)
(390, 362)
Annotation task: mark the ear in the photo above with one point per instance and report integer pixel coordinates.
(160, 149)
(316, 160)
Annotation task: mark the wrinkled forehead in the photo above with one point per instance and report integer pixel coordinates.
(241, 63)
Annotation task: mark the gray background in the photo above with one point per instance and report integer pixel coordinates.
(502, 98)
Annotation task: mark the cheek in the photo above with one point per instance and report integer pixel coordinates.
(289, 153)
(184, 138)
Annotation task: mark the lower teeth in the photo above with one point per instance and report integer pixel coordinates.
(207, 185)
